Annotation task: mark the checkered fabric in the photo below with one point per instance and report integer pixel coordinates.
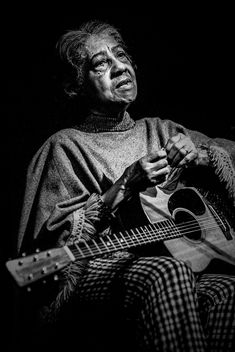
(166, 307)
(216, 296)
(156, 294)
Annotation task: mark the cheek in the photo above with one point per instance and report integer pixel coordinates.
(105, 88)
(101, 86)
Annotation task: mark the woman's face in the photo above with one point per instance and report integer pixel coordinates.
(111, 84)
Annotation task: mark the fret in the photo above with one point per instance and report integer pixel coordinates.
(105, 245)
(164, 230)
(136, 237)
(175, 231)
(150, 235)
(110, 241)
(118, 240)
(89, 249)
(79, 250)
(156, 232)
(96, 245)
(140, 235)
(130, 238)
(160, 229)
(145, 234)
(124, 240)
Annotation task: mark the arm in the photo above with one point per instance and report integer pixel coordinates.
(67, 199)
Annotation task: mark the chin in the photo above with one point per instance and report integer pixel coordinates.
(127, 98)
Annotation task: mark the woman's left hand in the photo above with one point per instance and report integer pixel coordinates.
(181, 151)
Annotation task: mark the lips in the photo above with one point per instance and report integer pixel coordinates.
(123, 82)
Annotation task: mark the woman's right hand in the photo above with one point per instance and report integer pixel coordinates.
(148, 171)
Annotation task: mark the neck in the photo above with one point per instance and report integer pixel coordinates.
(97, 122)
(117, 114)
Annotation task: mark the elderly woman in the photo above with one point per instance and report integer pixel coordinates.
(84, 178)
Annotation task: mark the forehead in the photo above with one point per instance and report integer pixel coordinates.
(97, 43)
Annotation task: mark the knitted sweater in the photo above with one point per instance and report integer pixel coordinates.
(75, 163)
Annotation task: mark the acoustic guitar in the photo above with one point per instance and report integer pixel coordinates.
(193, 231)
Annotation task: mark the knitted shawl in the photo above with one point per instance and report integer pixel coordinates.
(75, 164)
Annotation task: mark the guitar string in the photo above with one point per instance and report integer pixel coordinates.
(173, 227)
(162, 234)
(124, 242)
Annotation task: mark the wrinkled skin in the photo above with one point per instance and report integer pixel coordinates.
(111, 81)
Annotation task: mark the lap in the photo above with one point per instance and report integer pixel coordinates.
(111, 289)
(132, 274)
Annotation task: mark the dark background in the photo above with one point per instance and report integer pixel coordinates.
(184, 58)
(185, 62)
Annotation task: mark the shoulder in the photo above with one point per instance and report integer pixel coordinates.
(154, 121)
(58, 145)
(160, 124)
(149, 120)
(64, 136)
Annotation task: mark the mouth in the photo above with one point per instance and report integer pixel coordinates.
(124, 82)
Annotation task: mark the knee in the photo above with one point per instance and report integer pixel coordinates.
(163, 273)
(170, 269)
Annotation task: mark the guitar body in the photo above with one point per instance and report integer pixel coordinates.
(206, 235)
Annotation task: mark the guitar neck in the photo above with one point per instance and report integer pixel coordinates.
(31, 268)
(140, 236)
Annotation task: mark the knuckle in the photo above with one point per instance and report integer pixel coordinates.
(162, 163)
(188, 157)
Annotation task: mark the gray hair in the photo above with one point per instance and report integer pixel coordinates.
(72, 51)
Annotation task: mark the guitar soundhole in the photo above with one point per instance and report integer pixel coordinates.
(188, 226)
(186, 198)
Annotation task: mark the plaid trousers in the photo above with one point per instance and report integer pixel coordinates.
(165, 306)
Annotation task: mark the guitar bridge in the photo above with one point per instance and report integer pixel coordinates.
(221, 221)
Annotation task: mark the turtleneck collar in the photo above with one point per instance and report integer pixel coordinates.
(99, 123)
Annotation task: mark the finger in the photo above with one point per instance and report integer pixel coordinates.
(160, 164)
(158, 175)
(156, 155)
(178, 156)
(176, 150)
(173, 140)
(187, 160)
(163, 171)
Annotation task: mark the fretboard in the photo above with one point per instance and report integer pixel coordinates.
(160, 231)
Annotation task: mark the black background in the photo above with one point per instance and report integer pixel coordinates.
(185, 72)
(184, 58)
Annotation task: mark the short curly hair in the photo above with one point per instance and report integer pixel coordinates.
(72, 51)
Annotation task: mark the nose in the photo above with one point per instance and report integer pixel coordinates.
(118, 67)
